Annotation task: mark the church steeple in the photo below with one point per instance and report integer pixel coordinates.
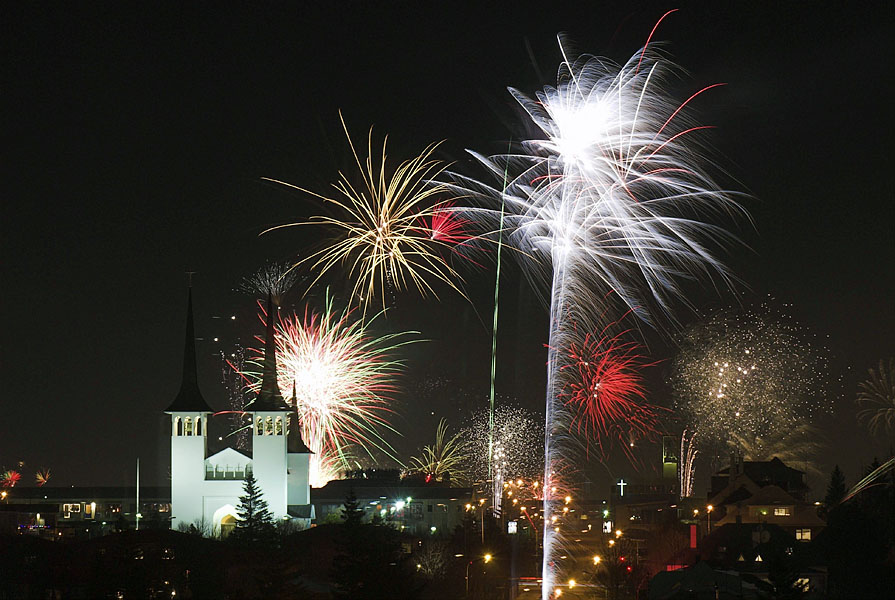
(269, 398)
(189, 398)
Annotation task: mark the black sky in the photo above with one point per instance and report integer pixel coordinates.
(135, 137)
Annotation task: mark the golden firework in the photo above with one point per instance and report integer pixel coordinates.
(385, 237)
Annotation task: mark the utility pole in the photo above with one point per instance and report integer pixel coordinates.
(138, 494)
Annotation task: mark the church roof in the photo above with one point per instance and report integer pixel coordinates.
(189, 398)
(269, 398)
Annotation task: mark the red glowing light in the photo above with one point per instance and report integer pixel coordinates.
(605, 391)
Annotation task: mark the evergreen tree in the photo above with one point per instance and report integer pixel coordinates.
(254, 521)
(836, 489)
(352, 513)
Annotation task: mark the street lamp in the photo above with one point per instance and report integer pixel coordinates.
(485, 559)
(709, 510)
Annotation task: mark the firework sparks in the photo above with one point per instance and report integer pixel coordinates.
(876, 396)
(42, 477)
(233, 368)
(392, 227)
(687, 465)
(517, 448)
(752, 374)
(343, 379)
(447, 457)
(605, 393)
(274, 279)
(604, 203)
(10, 478)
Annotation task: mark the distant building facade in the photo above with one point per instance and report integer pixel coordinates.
(769, 492)
(413, 507)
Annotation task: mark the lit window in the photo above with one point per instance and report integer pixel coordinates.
(782, 511)
(259, 427)
(188, 426)
(71, 508)
(268, 426)
(279, 426)
(803, 535)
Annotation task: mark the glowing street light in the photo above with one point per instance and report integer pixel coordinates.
(597, 560)
(485, 559)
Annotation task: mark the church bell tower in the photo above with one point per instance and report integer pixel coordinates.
(189, 425)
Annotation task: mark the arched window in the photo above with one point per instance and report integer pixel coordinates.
(278, 427)
(178, 426)
(259, 427)
(188, 426)
(198, 425)
(288, 423)
(268, 426)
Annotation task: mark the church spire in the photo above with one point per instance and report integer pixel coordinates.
(269, 398)
(189, 398)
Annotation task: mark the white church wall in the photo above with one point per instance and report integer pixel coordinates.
(298, 491)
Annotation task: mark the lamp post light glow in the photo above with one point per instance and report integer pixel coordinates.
(485, 559)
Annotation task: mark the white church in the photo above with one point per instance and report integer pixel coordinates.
(206, 489)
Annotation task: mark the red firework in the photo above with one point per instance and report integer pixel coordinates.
(447, 227)
(10, 478)
(606, 393)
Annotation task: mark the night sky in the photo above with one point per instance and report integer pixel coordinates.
(136, 137)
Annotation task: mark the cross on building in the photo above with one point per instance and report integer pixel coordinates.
(621, 487)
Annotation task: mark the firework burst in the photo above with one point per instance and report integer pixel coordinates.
(752, 374)
(42, 477)
(10, 478)
(606, 201)
(344, 379)
(273, 279)
(392, 226)
(876, 396)
(447, 457)
(605, 394)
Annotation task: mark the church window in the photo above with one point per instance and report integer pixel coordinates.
(178, 426)
(198, 425)
(268, 426)
(259, 427)
(279, 426)
(188, 426)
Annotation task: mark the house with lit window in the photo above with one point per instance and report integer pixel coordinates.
(414, 507)
(765, 492)
(205, 489)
